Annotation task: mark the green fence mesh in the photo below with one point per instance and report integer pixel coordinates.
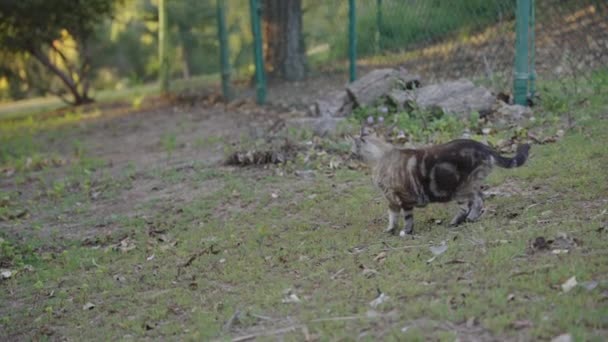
(438, 39)
(445, 39)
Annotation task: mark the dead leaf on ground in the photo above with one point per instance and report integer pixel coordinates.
(569, 284)
(88, 306)
(290, 297)
(379, 300)
(125, 245)
(150, 325)
(381, 257)
(46, 330)
(8, 172)
(6, 273)
(439, 249)
(471, 322)
(521, 324)
(561, 244)
(367, 272)
(589, 285)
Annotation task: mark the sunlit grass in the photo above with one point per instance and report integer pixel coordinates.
(34, 106)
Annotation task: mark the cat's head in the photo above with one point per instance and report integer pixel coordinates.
(368, 145)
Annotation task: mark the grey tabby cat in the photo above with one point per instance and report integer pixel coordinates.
(412, 178)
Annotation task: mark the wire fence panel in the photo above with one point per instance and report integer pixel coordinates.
(571, 36)
(438, 39)
(445, 39)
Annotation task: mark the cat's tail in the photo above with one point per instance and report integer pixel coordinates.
(521, 155)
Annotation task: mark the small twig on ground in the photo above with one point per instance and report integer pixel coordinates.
(389, 247)
(355, 317)
(194, 257)
(339, 318)
(262, 317)
(534, 270)
(231, 321)
(267, 333)
(337, 273)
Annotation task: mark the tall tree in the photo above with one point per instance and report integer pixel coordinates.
(284, 48)
(41, 29)
(163, 46)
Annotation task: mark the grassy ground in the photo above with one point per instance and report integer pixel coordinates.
(34, 106)
(127, 228)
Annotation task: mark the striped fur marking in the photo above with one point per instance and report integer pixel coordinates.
(414, 177)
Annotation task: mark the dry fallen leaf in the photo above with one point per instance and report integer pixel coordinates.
(290, 297)
(471, 322)
(437, 250)
(125, 245)
(440, 249)
(88, 306)
(369, 272)
(521, 324)
(569, 284)
(6, 273)
(379, 300)
(380, 257)
(589, 285)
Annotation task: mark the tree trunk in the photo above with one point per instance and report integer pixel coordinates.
(186, 42)
(284, 49)
(68, 81)
(163, 53)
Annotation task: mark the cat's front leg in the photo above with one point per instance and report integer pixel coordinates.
(393, 219)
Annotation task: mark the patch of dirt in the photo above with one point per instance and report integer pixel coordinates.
(132, 147)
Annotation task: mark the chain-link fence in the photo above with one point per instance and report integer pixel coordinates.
(442, 39)
(310, 42)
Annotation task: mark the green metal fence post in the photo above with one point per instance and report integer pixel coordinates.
(532, 51)
(163, 41)
(260, 79)
(223, 37)
(352, 40)
(378, 25)
(522, 22)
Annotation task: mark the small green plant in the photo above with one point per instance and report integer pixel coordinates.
(203, 142)
(58, 189)
(599, 81)
(169, 143)
(12, 255)
(79, 150)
